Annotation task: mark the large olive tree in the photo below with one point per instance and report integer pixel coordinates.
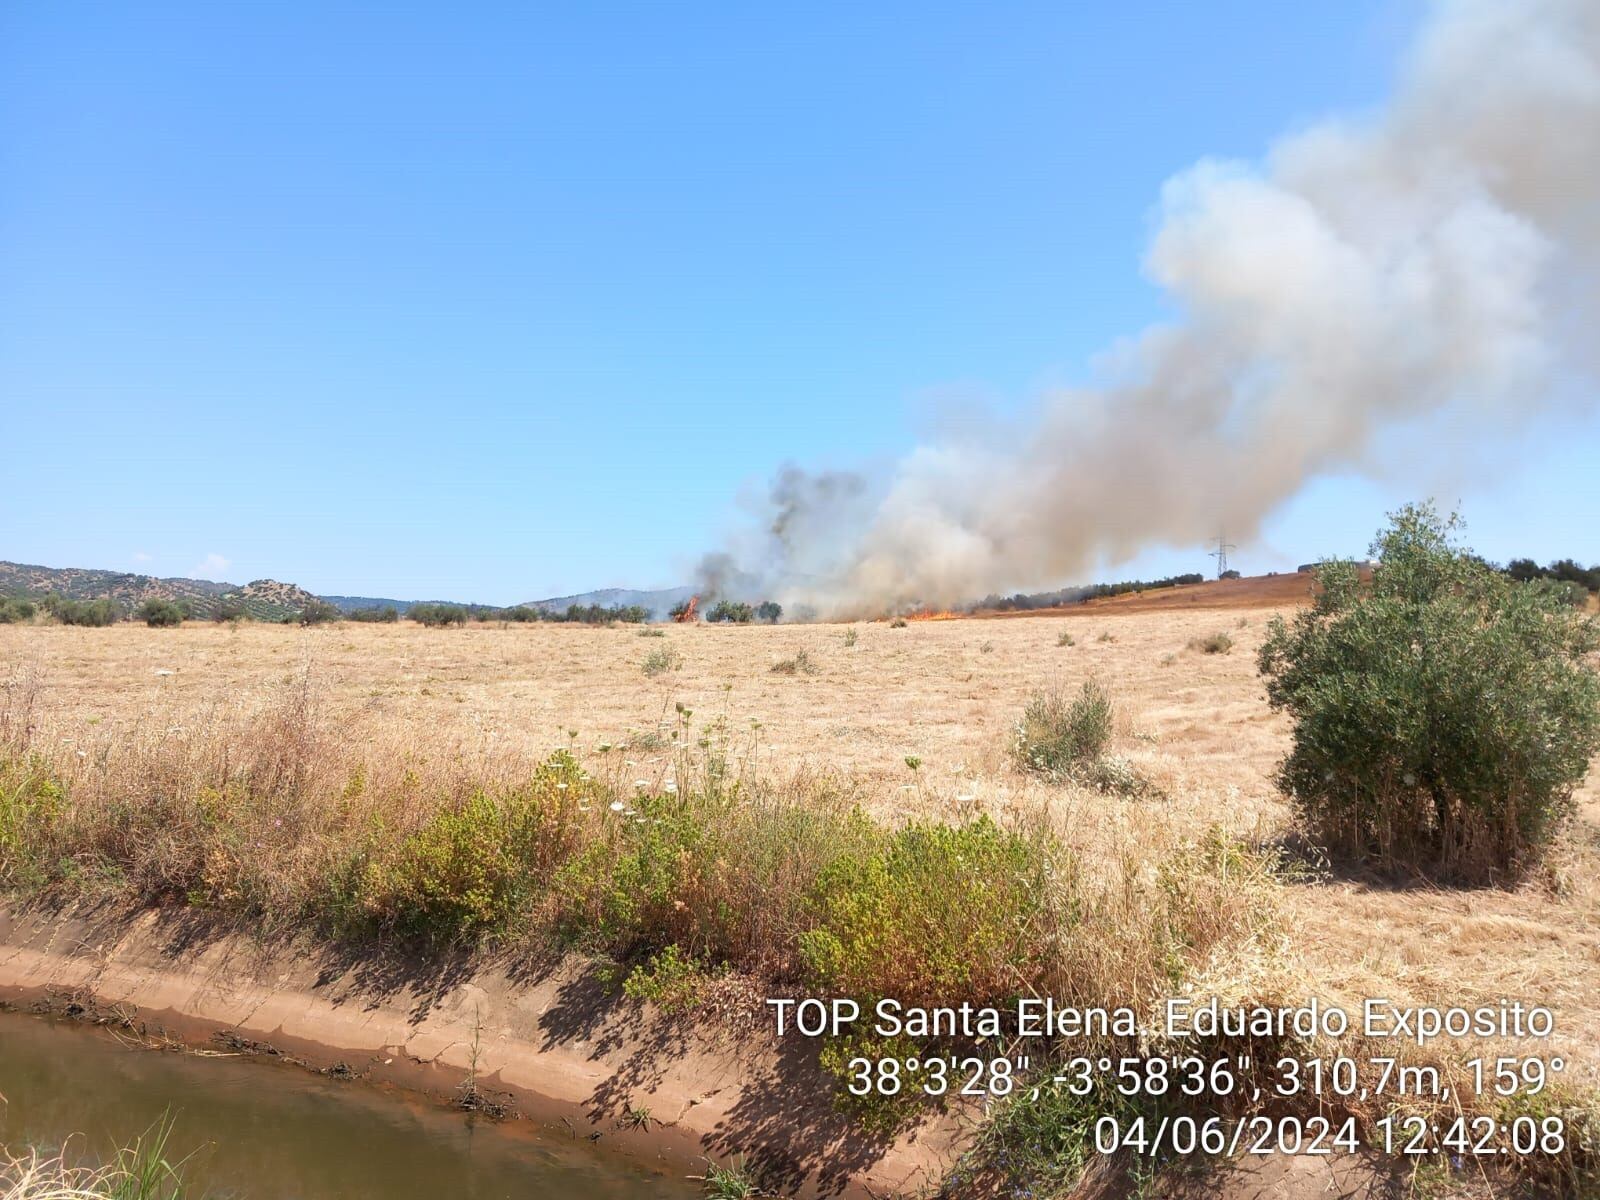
(1443, 714)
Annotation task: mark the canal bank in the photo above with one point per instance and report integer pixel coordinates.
(551, 1044)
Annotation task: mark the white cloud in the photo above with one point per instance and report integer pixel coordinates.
(139, 556)
(212, 566)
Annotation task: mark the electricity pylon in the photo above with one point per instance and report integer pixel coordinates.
(1223, 545)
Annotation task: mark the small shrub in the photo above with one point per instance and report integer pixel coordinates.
(437, 616)
(621, 893)
(801, 664)
(735, 611)
(850, 636)
(32, 802)
(1442, 717)
(14, 610)
(669, 980)
(230, 609)
(475, 865)
(652, 633)
(93, 613)
(159, 614)
(1057, 735)
(661, 660)
(599, 614)
(1041, 1144)
(930, 911)
(1064, 638)
(520, 614)
(385, 614)
(769, 611)
(1105, 637)
(898, 623)
(318, 612)
(986, 648)
(1216, 643)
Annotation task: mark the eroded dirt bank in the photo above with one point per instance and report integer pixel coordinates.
(553, 1044)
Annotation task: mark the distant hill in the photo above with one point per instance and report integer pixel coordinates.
(355, 603)
(267, 599)
(657, 602)
(263, 599)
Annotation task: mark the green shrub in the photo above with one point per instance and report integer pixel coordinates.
(732, 610)
(1057, 735)
(1568, 592)
(661, 660)
(32, 801)
(1562, 571)
(230, 609)
(670, 980)
(14, 610)
(1065, 638)
(99, 612)
(437, 616)
(1443, 718)
(159, 614)
(318, 612)
(1041, 1143)
(929, 912)
(1216, 643)
(385, 614)
(477, 864)
(769, 611)
(625, 892)
(599, 614)
(453, 876)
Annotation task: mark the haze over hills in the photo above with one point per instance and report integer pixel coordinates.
(267, 599)
(657, 602)
(357, 603)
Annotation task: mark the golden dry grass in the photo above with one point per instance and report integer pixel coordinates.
(489, 698)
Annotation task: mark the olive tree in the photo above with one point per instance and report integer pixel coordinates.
(1443, 714)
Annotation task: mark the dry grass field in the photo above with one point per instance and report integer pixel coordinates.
(944, 693)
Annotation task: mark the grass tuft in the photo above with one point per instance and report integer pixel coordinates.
(661, 660)
(801, 664)
(1216, 643)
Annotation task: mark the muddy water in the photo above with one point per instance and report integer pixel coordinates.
(265, 1131)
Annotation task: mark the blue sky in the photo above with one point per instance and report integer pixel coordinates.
(499, 301)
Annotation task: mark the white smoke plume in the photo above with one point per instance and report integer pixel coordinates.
(1436, 260)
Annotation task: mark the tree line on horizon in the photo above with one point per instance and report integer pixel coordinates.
(1573, 580)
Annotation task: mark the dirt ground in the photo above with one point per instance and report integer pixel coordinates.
(944, 692)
